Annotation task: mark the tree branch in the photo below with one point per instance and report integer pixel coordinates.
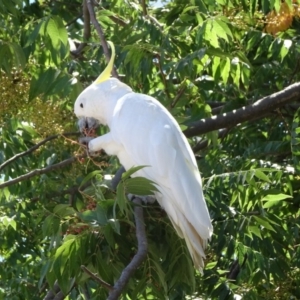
(36, 172)
(139, 257)
(179, 94)
(144, 7)
(49, 138)
(246, 113)
(55, 293)
(97, 279)
(100, 33)
(117, 178)
(86, 29)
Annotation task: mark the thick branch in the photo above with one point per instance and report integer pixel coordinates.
(139, 257)
(36, 172)
(247, 113)
(49, 138)
(100, 33)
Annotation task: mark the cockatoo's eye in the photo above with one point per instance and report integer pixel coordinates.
(81, 105)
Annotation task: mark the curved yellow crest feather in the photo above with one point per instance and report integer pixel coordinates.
(107, 71)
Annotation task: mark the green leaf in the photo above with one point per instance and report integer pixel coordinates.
(19, 56)
(225, 69)
(286, 45)
(211, 265)
(97, 216)
(53, 32)
(62, 31)
(221, 29)
(63, 210)
(295, 140)
(264, 222)
(7, 221)
(255, 230)
(42, 84)
(96, 173)
(276, 197)
(131, 171)
(51, 225)
(121, 198)
(140, 186)
(101, 215)
(210, 34)
(273, 200)
(261, 175)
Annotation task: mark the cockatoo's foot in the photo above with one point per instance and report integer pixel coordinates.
(146, 199)
(85, 141)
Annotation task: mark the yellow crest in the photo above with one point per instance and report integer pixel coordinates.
(107, 71)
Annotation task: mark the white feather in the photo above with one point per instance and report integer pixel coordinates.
(143, 132)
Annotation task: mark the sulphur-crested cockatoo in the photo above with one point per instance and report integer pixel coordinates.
(143, 132)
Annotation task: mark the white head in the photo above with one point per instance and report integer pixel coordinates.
(99, 99)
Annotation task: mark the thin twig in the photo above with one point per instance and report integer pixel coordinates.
(45, 170)
(139, 257)
(96, 278)
(118, 20)
(70, 191)
(151, 18)
(204, 143)
(100, 33)
(49, 138)
(74, 20)
(179, 94)
(163, 77)
(214, 104)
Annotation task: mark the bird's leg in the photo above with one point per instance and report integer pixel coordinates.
(146, 199)
(116, 180)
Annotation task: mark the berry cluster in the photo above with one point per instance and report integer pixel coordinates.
(282, 20)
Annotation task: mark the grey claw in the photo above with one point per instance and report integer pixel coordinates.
(145, 199)
(84, 140)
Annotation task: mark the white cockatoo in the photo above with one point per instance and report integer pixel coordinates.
(143, 132)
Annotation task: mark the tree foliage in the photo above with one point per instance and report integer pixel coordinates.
(203, 60)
